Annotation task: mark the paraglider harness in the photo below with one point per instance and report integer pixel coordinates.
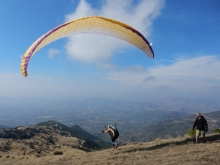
(113, 132)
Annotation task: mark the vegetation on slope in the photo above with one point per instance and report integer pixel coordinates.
(90, 142)
(181, 150)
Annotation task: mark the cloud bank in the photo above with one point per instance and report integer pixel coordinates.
(189, 77)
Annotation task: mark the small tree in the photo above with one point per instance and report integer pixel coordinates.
(216, 130)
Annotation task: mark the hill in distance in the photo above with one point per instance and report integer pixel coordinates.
(173, 128)
(47, 138)
(75, 130)
(4, 126)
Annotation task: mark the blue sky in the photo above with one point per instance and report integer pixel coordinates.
(185, 36)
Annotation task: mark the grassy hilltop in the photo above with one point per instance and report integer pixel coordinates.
(53, 143)
(166, 152)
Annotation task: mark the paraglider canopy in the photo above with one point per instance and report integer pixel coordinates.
(93, 24)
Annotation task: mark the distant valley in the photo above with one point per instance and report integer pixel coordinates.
(137, 121)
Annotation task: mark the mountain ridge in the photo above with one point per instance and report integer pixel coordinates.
(174, 128)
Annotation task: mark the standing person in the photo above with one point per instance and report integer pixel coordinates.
(114, 134)
(201, 126)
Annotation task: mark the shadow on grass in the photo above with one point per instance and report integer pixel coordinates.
(209, 138)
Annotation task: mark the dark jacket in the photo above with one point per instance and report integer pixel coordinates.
(201, 124)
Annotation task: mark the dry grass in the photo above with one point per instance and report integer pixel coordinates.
(166, 152)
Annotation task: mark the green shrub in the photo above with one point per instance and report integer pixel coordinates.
(216, 130)
(191, 132)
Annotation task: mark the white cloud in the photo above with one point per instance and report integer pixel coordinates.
(17, 86)
(53, 52)
(132, 76)
(199, 69)
(198, 77)
(189, 77)
(149, 78)
(96, 48)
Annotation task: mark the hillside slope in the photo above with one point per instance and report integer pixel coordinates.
(75, 130)
(167, 152)
(90, 143)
